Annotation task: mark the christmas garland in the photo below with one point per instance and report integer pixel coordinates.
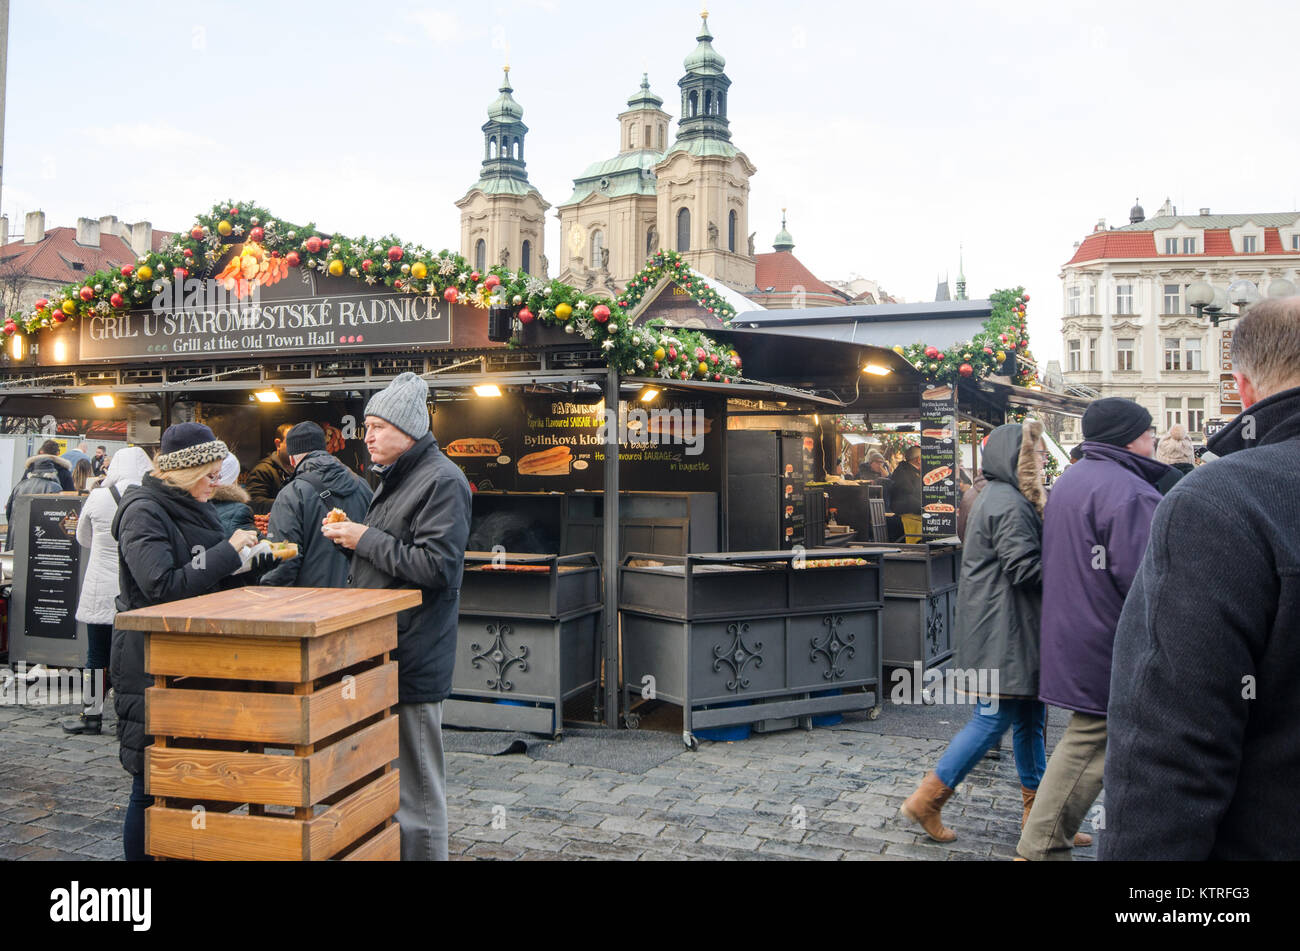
(1005, 333)
(272, 246)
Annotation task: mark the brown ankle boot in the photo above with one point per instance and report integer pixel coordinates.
(1027, 795)
(924, 805)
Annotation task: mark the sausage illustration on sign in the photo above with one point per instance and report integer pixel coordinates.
(937, 475)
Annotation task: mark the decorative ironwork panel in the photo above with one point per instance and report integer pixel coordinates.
(500, 656)
(934, 627)
(832, 644)
(737, 655)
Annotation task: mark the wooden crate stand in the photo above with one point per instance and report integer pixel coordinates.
(274, 724)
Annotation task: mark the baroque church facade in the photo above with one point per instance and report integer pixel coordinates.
(690, 195)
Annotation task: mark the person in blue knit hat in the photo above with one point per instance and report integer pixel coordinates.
(414, 537)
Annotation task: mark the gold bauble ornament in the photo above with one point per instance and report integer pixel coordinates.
(223, 228)
(336, 268)
(563, 311)
(419, 271)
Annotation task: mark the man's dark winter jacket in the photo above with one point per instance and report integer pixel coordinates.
(418, 525)
(231, 503)
(157, 528)
(296, 517)
(1203, 760)
(264, 482)
(999, 600)
(905, 491)
(43, 475)
(1095, 530)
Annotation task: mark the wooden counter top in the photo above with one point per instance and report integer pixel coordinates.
(257, 611)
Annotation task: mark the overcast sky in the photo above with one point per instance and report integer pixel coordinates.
(893, 132)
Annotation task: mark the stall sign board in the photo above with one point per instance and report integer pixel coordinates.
(48, 568)
(557, 443)
(1229, 398)
(939, 445)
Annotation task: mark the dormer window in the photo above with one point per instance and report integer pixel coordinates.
(1189, 245)
(1248, 244)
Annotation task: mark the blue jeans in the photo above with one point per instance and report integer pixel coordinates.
(133, 827)
(984, 731)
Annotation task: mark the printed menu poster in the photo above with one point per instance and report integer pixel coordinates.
(939, 443)
(53, 567)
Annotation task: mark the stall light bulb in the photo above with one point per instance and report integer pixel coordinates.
(16, 347)
(267, 396)
(487, 389)
(876, 369)
(103, 400)
(648, 394)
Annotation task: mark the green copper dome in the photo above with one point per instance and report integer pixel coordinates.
(643, 98)
(704, 59)
(504, 108)
(783, 241)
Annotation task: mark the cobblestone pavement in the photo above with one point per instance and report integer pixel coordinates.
(832, 794)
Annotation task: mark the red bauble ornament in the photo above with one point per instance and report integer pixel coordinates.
(365, 265)
(989, 351)
(965, 369)
(312, 244)
(234, 211)
(196, 233)
(127, 269)
(931, 352)
(10, 327)
(395, 253)
(656, 366)
(683, 374)
(189, 254)
(116, 300)
(525, 315)
(713, 358)
(86, 293)
(939, 357)
(1011, 346)
(699, 353)
(292, 258)
(256, 234)
(1002, 337)
(622, 303)
(180, 273)
(601, 313)
(42, 304)
(1025, 298)
(474, 276)
(450, 295)
(489, 282)
(60, 316)
(325, 243)
(672, 353)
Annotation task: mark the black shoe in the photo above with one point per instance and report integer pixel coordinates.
(86, 725)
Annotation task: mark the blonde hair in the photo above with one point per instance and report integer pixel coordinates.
(188, 478)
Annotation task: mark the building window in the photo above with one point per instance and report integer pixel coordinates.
(1189, 245)
(1295, 242)
(1092, 353)
(631, 136)
(1124, 353)
(692, 105)
(1173, 411)
(1072, 302)
(661, 138)
(597, 245)
(1173, 299)
(1195, 414)
(1092, 298)
(731, 231)
(480, 255)
(1171, 245)
(1173, 353)
(1192, 353)
(648, 139)
(492, 148)
(1074, 350)
(684, 229)
(1123, 298)
(526, 258)
(1248, 244)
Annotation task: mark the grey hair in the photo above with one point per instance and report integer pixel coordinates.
(1266, 345)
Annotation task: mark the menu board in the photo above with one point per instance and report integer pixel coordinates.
(939, 456)
(796, 469)
(1229, 398)
(53, 567)
(544, 443)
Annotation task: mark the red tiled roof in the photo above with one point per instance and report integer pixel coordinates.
(783, 272)
(1218, 241)
(51, 258)
(1104, 245)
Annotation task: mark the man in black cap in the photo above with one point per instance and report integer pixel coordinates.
(1095, 530)
(320, 483)
(1204, 756)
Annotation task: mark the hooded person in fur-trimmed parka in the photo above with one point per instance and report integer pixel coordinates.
(999, 608)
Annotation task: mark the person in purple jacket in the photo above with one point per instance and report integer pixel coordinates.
(1095, 530)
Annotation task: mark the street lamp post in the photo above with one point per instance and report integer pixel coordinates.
(1204, 299)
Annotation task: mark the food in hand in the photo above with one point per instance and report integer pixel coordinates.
(937, 475)
(474, 447)
(283, 551)
(336, 515)
(553, 461)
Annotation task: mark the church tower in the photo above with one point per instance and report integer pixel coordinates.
(703, 181)
(502, 216)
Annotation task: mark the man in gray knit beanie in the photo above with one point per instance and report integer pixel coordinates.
(414, 537)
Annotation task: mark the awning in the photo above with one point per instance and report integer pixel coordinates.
(1044, 400)
(940, 324)
(742, 391)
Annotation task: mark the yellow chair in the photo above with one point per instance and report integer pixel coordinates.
(911, 528)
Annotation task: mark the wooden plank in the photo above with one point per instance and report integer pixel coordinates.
(384, 847)
(334, 830)
(170, 833)
(345, 648)
(257, 778)
(226, 657)
(264, 611)
(344, 762)
(268, 717)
